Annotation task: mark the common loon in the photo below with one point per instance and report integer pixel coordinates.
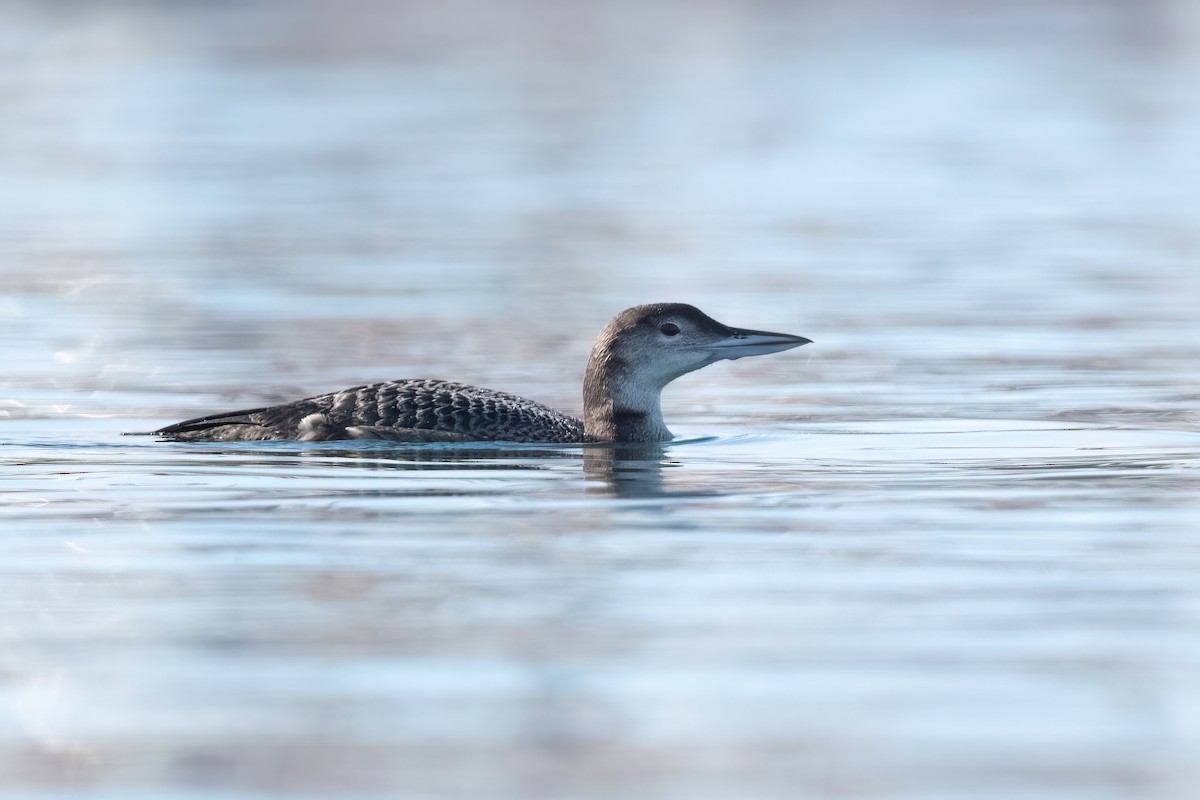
(638, 352)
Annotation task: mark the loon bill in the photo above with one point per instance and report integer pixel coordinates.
(638, 352)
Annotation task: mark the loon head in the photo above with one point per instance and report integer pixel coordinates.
(644, 348)
(655, 344)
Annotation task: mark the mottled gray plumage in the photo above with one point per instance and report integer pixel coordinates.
(637, 353)
(404, 410)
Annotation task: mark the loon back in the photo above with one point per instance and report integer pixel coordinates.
(399, 411)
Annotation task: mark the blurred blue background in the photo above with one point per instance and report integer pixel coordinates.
(200, 194)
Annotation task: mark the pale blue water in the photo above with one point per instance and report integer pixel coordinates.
(950, 550)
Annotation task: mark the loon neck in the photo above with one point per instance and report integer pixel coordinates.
(617, 406)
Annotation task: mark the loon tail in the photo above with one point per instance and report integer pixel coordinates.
(199, 424)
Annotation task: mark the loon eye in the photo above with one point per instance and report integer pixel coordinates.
(670, 329)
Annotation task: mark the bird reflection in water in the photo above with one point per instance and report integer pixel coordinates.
(626, 470)
(618, 470)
